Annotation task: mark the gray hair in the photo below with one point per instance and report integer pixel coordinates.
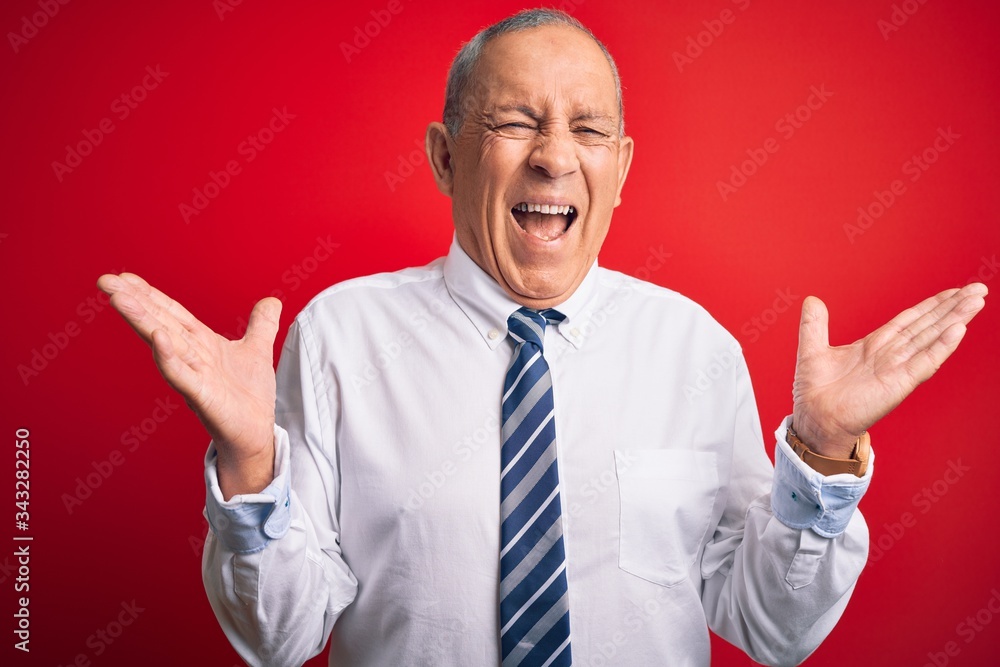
(464, 64)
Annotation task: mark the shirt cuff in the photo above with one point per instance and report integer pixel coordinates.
(247, 522)
(804, 498)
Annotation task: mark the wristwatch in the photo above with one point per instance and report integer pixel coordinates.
(856, 465)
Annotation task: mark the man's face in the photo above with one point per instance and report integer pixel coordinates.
(538, 165)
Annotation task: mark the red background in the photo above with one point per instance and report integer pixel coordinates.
(324, 176)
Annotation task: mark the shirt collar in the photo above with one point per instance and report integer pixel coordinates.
(487, 306)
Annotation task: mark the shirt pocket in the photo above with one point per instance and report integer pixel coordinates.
(667, 497)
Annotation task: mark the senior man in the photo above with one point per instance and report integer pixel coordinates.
(526, 482)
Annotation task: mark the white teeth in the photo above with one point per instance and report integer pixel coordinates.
(545, 208)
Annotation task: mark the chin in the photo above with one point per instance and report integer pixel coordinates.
(540, 289)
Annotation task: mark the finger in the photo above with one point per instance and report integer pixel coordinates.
(814, 327)
(978, 289)
(173, 368)
(914, 313)
(110, 283)
(973, 300)
(927, 361)
(132, 303)
(133, 298)
(262, 328)
(961, 306)
(164, 306)
(144, 323)
(936, 324)
(919, 321)
(136, 315)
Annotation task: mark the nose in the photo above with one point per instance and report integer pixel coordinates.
(555, 153)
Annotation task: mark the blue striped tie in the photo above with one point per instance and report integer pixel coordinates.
(534, 603)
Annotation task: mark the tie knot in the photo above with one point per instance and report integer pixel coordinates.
(526, 325)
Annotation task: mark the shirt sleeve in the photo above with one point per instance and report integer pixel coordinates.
(246, 523)
(788, 549)
(804, 498)
(272, 566)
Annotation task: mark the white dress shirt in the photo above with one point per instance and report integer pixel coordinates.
(382, 523)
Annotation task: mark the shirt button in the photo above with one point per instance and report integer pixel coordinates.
(493, 334)
(574, 332)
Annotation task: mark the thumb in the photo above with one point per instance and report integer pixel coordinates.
(263, 325)
(814, 327)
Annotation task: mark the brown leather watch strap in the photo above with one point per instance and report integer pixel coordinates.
(856, 465)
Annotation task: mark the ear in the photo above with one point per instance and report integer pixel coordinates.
(625, 147)
(438, 146)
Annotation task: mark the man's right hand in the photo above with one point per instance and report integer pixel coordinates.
(228, 383)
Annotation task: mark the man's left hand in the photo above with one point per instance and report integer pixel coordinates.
(839, 392)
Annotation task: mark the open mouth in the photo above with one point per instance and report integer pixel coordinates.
(545, 221)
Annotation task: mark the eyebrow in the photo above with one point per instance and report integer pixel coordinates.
(520, 108)
(536, 116)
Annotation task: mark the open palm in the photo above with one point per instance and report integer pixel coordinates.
(230, 384)
(839, 392)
